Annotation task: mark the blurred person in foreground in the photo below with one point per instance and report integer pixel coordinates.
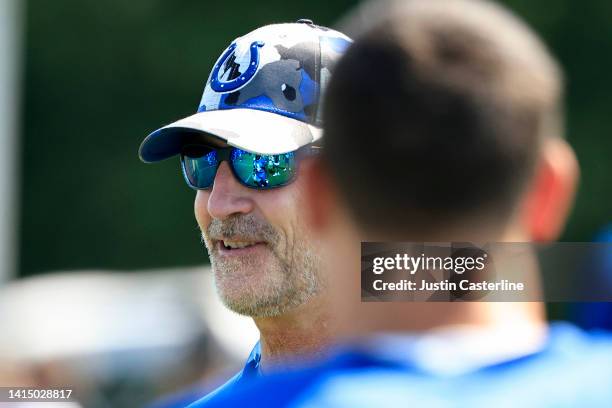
(257, 127)
(442, 124)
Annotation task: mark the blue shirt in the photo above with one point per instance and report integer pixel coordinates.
(572, 369)
(183, 399)
(249, 372)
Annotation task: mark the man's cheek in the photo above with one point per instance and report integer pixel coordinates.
(200, 207)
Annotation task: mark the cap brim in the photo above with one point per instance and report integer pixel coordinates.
(248, 129)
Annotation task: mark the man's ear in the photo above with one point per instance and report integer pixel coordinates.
(319, 194)
(551, 194)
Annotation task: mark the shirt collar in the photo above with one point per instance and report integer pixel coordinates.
(252, 365)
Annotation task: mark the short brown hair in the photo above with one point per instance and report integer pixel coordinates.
(436, 113)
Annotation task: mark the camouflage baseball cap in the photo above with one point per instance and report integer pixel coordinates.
(262, 95)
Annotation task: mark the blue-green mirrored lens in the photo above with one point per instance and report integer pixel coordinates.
(263, 171)
(199, 166)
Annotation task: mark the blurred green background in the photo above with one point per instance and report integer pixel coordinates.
(100, 75)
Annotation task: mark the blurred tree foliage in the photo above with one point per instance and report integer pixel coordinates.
(100, 75)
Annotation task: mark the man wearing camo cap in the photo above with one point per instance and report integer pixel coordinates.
(256, 128)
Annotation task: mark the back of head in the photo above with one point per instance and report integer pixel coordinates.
(436, 115)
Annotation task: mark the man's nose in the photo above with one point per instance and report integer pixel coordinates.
(228, 196)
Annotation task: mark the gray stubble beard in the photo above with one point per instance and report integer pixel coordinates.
(291, 280)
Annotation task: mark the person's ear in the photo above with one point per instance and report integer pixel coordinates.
(550, 196)
(319, 194)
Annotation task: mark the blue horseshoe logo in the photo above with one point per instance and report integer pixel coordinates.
(232, 85)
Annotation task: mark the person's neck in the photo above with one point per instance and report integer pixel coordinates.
(304, 331)
(365, 318)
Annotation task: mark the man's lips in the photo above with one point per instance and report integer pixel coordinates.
(233, 247)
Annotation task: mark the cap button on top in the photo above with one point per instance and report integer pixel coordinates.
(305, 21)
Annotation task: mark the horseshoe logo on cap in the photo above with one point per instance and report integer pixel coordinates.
(242, 79)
